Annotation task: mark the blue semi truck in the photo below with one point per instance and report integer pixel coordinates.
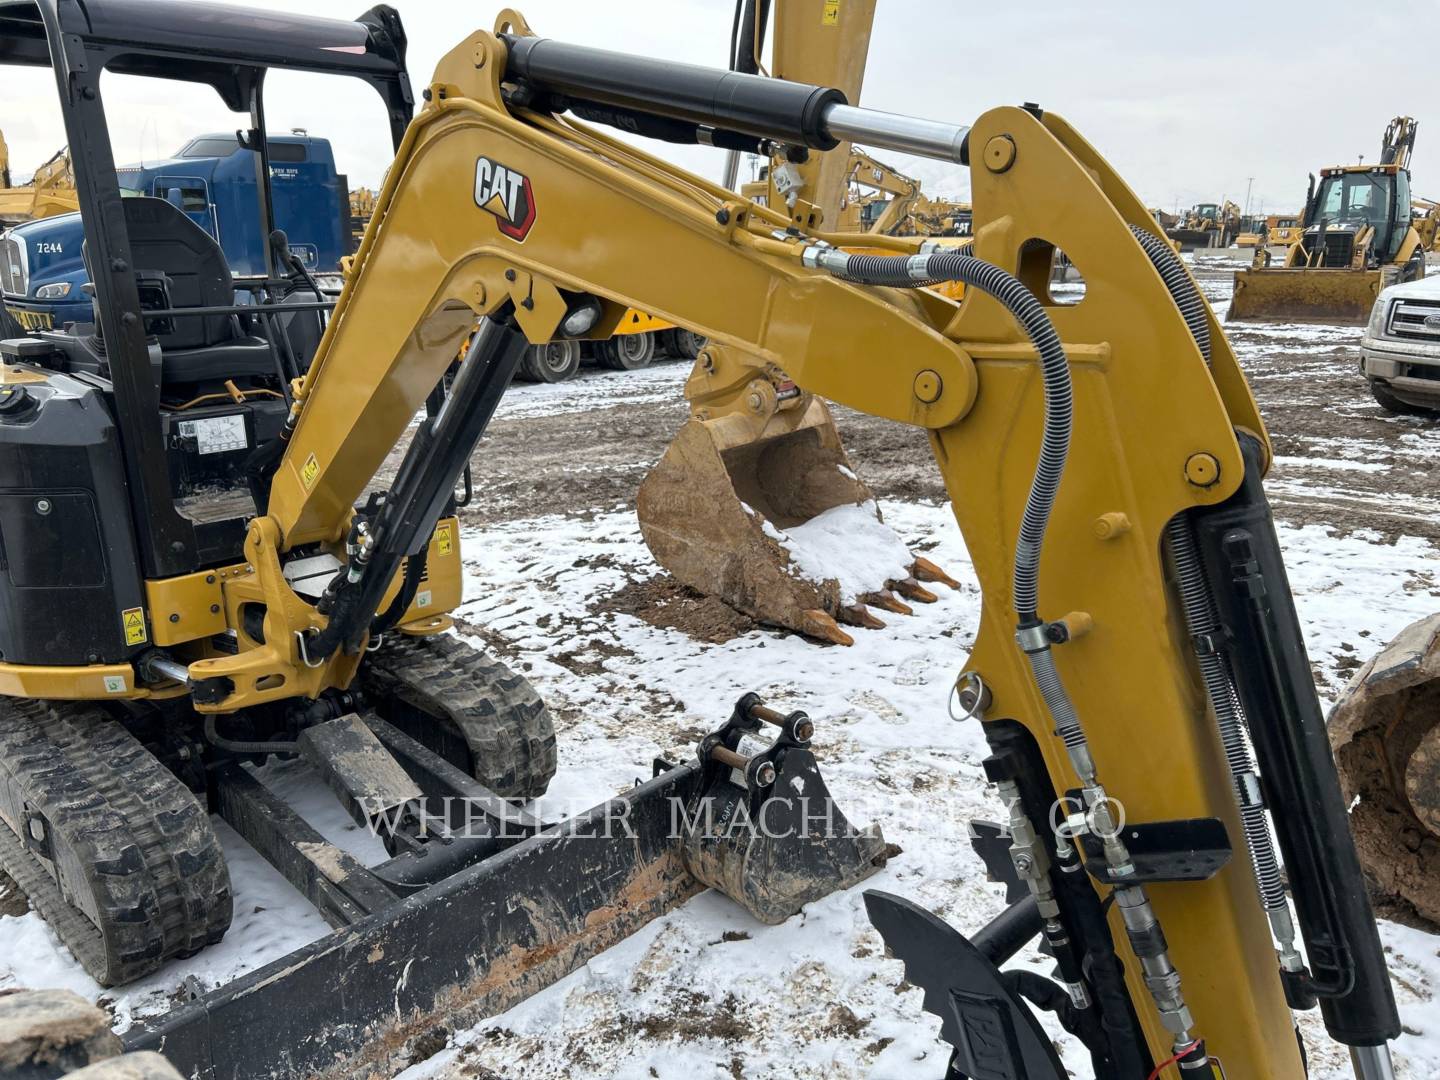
(212, 178)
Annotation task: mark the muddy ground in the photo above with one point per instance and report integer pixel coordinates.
(1306, 379)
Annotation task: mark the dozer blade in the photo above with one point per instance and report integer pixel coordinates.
(1386, 736)
(780, 528)
(491, 905)
(1341, 297)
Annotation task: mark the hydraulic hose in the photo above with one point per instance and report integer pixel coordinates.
(1033, 635)
(1202, 621)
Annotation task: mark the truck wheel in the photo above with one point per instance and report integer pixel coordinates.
(552, 363)
(683, 344)
(1391, 404)
(626, 352)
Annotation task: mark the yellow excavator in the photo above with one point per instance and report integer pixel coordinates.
(50, 191)
(1105, 460)
(1357, 237)
(884, 200)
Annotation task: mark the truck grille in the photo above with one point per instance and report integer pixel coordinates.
(1417, 320)
(1339, 250)
(12, 267)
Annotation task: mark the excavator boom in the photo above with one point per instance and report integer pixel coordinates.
(1166, 456)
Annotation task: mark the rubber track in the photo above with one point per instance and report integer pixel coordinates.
(135, 848)
(502, 719)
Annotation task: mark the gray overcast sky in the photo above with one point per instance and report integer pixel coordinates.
(1186, 100)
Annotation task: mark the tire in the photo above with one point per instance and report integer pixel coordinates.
(466, 706)
(683, 344)
(626, 352)
(114, 852)
(1391, 404)
(552, 363)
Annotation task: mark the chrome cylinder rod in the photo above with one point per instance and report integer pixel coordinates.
(894, 131)
(1372, 1062)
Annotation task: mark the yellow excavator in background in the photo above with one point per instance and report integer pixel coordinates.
(755, 500)
(1357, 238)
(1282, 230)
(877, 197)
(50, 191)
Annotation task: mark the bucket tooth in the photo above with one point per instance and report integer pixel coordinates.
(887, 600)
(925, 570)
(913, 590)
(860, 615)
(822, 625)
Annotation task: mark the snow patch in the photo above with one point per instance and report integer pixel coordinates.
(848, 543)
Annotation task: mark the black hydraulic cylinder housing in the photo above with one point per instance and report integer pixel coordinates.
(728, 100)
(1273, 678)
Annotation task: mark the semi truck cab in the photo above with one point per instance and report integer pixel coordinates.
(212, 179)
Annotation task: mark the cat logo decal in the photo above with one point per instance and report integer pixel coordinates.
(502, 191)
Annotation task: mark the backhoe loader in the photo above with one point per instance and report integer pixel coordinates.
(1356, 238)
(1207, 225)
(1104, 460)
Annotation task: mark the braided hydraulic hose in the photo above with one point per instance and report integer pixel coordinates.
(1142, 926)
(1203, 623)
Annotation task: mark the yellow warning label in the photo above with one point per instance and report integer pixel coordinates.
(133, 619)
(309, 471)
(444, 540)
(831, 15)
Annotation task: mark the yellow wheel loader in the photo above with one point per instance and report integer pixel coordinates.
(1105, 459)
(1356, 238)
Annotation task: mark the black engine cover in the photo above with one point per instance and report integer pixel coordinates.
(70, 588)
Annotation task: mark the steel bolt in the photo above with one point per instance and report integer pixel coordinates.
(1023, 863)
(765, 774)
(175, 617)
(214, 609)
(1000, 153)
(927, 386)
(209, 579)
(1111, 526)
(42, 506)
(1202, 469)
(805, 730)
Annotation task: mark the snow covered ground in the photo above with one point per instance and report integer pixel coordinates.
(704, 992)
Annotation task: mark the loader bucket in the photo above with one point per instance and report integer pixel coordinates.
(1341, 297)
(780, 527)
(1386, 736)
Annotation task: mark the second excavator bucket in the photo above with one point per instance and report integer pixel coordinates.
(762, 827)
(1273, 294)
(780, 527)
(1386, 736)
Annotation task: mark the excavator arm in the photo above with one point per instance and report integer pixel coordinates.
(501, 209)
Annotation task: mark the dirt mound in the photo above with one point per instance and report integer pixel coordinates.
(663, 602)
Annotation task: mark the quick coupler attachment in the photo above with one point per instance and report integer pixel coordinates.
(762, 826)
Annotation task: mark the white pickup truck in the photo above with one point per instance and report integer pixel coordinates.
(1400, 352)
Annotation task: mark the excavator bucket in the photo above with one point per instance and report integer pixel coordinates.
(1386, 736)
(1342, 297)
(780, 528)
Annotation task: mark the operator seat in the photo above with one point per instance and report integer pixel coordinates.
(179, 265)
